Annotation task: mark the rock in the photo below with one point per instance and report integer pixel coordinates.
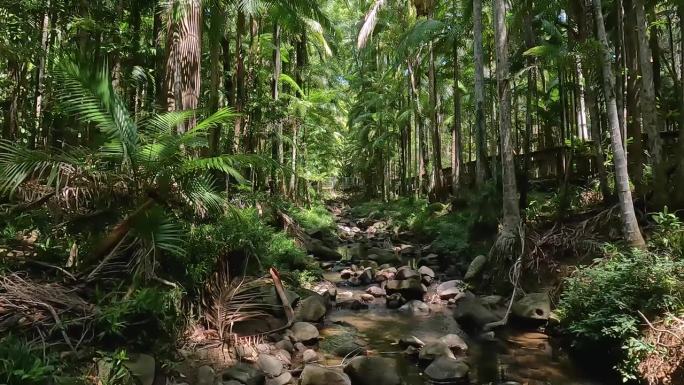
(453, 284)
(367, 276)
(142, 367)
(426, 272)
(326, 287)
(346, 274)
(475, 268)
(282, 379)
(352, 305)
(245, 351)
(412, 351)
(367, 297)
(446, 369)
(273, 299)
(309, 356)
(205, 375)
(415, 307)
(283, 355)
(406, 272)
(342, 341)
(533, 306)
(491, 300)
(411, 341)
(343, 295)
(376, 291)
(263, 348)
(300, 347)
(312, 308)
(270, 365)
(434, 350)
(244, 374)
(354, 281)
(385, 274)
(470, 312)
(455, 343)
(285, 345)
(373, 371)
(304, 331)
(382, 256)
(409, 288)
(394, 301)
(231, 382)
(318, 375)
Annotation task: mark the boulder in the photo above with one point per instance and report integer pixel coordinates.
(414, 307)
(453, 293)
(205, 375)
(406, 272)
(433, 350)
(471, 313)
(285, 345)
(245, 351)
(447, 370)
(304, 331)
(270, 365)
(409, 288)
(346, 274)
(533, 306)
(318, 375)
(283, 355)
(326, 287)
(394, 301)
(455, 343)
(367, 297)
(376, 291)
(309, 356)
(367, 276)
(272, 298)
(282, 379)
(353, 304)
(382, 256)
(244, 374)
(426, 272)
(475, 268)
(411, 341)
(312, 308)
(142, 367)
(491, 300)
(373, 371)
(449, 285)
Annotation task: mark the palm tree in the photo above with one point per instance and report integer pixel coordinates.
(631, 230)
(481, 161)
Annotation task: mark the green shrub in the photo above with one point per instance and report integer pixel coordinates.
(315, 218)
(23, 363)
(601, 303)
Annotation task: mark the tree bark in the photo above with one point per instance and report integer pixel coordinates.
(40, 73)
(436, 137)
(239, 80)
(633, 121)
(215, 36)
(631, 230)
(480, 165)
(649, 109)
(511, 209)
(456, 130)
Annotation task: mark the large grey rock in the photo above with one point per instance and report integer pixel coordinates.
(455, 343)
(426, 271)
(406, 272)
(470, 312)
(373, 371)
(326, 288)
(205, 375)
(411, 341)
(434, 350)
(318, 375)
(270, 365)
(448, 285)
(282, 379)
(142, 368)
(309, 356)
(312, 308)
(533, 306)
(376, 291)
(476, 267)
(367, 276)
(285, 345)
(415, 307)
(409, 288)
(304, 331)
(446, 369)
(382, 256)
(245, 374)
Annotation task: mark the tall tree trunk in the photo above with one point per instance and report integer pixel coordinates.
(511, 210)
(436, 137)
(216, 22)
(529, 95)
(239, 80)
(456, 130)
(634, 146)
(480, 166)
(631, 230)
(183, 59)
(40, 73)
(649, 109)
(277, 144)
(680, 159)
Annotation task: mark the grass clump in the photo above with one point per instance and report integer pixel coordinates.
(314, 218)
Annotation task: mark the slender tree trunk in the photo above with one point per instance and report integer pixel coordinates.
(277, 144)
(680, 159)
(216, 22)
(40, 73)
(633, 121)
(456, 130)
(511, 209)
(436, 137)
(649, 109)
(239, 80)
(480, 166)
(631, 230)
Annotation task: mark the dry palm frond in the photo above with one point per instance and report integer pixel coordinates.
(665, 364)
(229, 300)
(42, 306)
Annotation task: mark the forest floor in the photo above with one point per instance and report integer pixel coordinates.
(404, 312)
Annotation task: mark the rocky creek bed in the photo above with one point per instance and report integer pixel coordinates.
(388, 313)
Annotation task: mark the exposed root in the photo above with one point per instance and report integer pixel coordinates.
(665, 364)
(514, 277)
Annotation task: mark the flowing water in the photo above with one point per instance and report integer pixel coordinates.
(524, 356)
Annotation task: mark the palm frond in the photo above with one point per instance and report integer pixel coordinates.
(369, 24)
